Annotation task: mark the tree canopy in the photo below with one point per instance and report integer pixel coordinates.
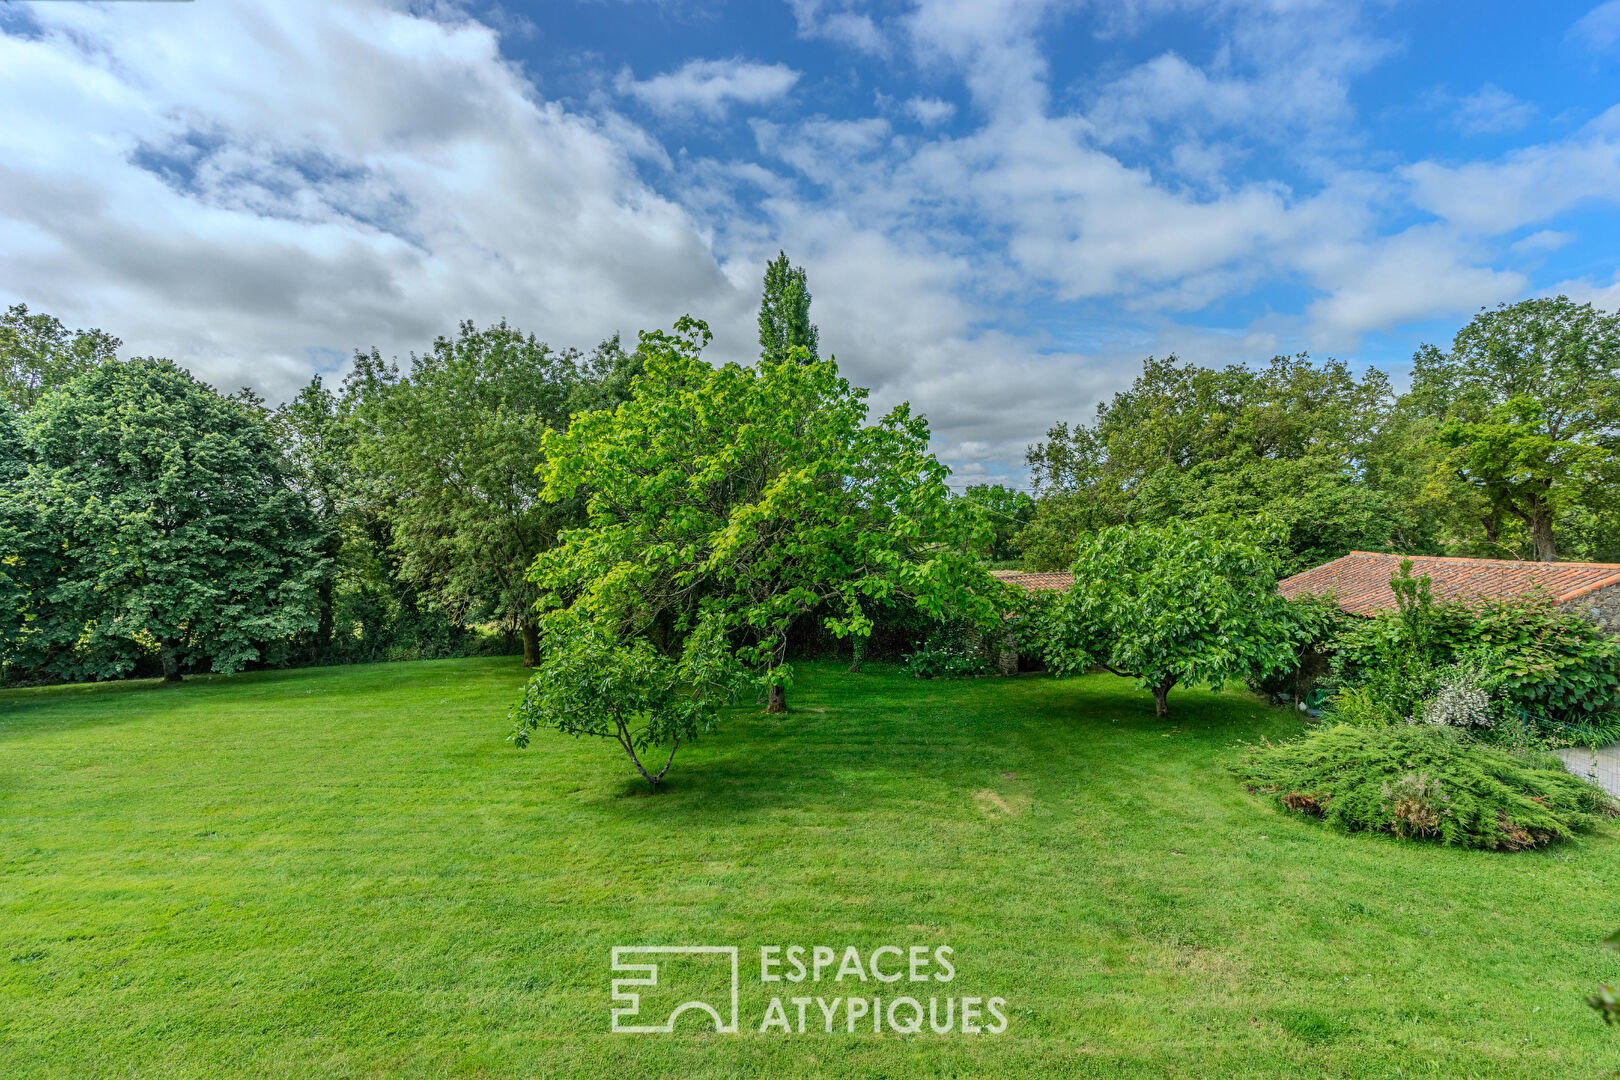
(1294, 442)
(1173, 604)
(784, 313)
(757, 496)
(162, 513)
(1527, 402)
(37, 353)
(453, 446)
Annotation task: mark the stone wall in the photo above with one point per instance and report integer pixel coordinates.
(1602, 607)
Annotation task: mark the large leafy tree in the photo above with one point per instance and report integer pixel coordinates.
(37, 353)
(168, 521)
(20, 536)
(319, 444)
(784, 313)
(1527, 405)
(1173, 604)
(1300, 442)
(1006, 512)
(756, 496)
(451, 449)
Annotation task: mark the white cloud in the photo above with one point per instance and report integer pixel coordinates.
(1526, 186)
(1586, 291)
(930, 111)
(1600, 27)
(1543, 241)
(249, 189)
(252, 186)
(1420, 273)
(1491, 110)
(839, 24)
(709, 87)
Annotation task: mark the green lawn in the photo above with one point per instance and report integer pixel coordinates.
(348, 872)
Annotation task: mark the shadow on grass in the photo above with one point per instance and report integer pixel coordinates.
(877, 737)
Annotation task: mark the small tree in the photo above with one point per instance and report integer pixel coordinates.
(163, 514)
(593, 681)
(1184, 602)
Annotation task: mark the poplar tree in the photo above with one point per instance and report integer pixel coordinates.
(784, 313)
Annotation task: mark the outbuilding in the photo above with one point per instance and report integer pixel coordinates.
(1360, 583)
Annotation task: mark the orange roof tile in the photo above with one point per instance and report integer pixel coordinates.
(1044, 582)
(1360, 580)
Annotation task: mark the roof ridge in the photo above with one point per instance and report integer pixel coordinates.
(1473, 559)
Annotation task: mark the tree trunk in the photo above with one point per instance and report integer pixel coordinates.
(171, 666)
(324, 626)
(531, 643)
(1541, 535)
(629, 748)
(776, 700)
(857, 654)
(1161, 698)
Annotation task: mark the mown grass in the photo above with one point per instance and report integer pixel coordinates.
(347, 872)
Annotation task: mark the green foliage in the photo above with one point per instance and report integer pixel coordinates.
(1536, 657)
(1528, 398)
(1428, 782)
(1006, 512)
(1296, 443)
(593, 681)
(1179, 603)
(953, 650)
(451, 451)
(163, 520)
(784, 314)
(38, 353)
(759, 495)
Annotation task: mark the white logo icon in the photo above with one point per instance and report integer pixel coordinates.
(649, 977)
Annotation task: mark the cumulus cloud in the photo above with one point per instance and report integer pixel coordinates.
(835, 22)
(1527, 185)
(257, 190)
(709, 87)
(930, 111)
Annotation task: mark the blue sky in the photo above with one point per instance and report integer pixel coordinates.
(1003, 205)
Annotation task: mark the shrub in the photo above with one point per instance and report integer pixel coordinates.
(952, 650)
(1541, 660)
(1460, 700)
(1424, 781)
(1361, 706)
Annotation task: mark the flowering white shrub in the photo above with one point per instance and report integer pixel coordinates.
(1460, 700)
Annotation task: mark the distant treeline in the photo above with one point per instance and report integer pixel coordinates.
(149, 523)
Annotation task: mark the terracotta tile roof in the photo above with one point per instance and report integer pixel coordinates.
(1048, 582)
(1360, 580)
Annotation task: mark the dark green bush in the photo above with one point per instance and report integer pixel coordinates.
(953, 650)
(1426, 782)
